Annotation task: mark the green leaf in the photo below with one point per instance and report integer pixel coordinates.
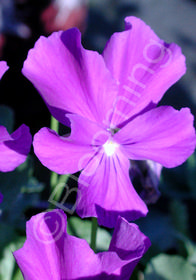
(8, 263)
(7, 235)
(192, 257)
(21, 191)
(32, 186)
(158, 227)
(18, 275)
(11, 184)
(179, 215)
(166, 267)
(191, 174)
(179, 182)
(7, 117)
(82, 229)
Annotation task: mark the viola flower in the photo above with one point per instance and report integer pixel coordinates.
(50, 253)
(110, 101)
(14, 148)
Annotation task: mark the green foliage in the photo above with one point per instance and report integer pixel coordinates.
(21, 191)
(180, 182)
(159, 228)
(8, 266)
(82, 228)
(191, 174)
(179, 216)
(165, 267)
(7, 117)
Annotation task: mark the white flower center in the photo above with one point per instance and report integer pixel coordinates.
(110, 147)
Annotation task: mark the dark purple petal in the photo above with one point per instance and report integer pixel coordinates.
(69, 154)
(14, 148)
(126, 250)
(50, 253)
(105, 190)
(1, 197)
(144, 67)
(164, 135)
(145, 176)
(3, 68)
(70, 78)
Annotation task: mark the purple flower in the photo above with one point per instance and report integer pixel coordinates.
(3, 68)
(14, 148)
(50, 253)
(110, 101)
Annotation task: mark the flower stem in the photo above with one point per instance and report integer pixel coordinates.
(93, 233)
(54, 125)
(53, 180)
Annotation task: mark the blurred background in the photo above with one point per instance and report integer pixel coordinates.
(171, 221)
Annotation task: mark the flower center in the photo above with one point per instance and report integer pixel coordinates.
(110, 147)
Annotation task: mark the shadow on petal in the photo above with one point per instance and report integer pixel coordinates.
(109, 218)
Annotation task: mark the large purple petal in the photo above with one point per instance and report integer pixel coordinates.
(40, 257)
(164, 135)
(105, 190)
(58, 153)
(3, 68)
(69, 154)
(70, 78)
(14, 148)
(144, 67)
(50, 253)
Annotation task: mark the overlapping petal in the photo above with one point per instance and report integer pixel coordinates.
(3, 68)
(129, 251)
(105, 190)
(50, 253)
(69, 154)
(164, 135)
(14, 148)
(143, 65)
(70, 78)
